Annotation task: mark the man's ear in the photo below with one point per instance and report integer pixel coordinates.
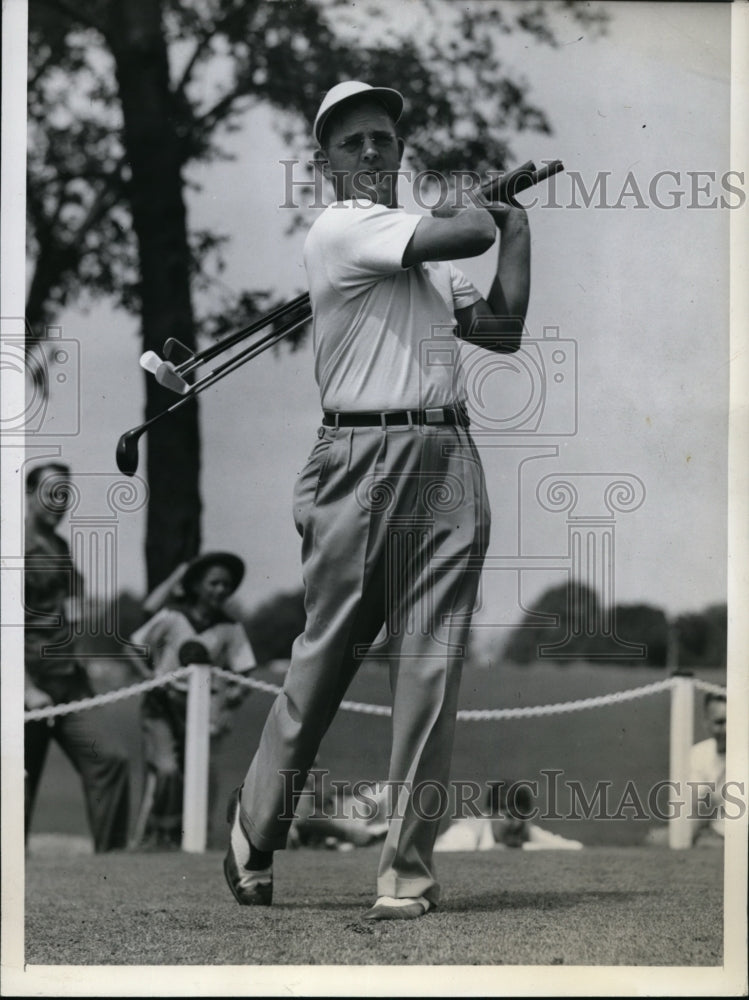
(320, 159)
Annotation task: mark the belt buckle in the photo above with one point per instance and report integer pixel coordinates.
(434, 415)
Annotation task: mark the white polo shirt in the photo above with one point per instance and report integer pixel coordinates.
(382, 334)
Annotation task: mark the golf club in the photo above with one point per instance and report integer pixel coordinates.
(126, 454)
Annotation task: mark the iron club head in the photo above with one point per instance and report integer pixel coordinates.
(168, 377)
(175, 350)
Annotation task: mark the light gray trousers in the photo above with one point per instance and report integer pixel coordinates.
(394, 526)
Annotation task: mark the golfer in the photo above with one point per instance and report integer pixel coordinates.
(391, 505)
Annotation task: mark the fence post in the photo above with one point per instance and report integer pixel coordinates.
(681, 738)
(197, 750)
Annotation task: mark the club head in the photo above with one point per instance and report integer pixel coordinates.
(150, 361)
(168, 377)
(127, 452)
(175, 350)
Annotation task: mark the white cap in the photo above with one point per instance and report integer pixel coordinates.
(392, 100)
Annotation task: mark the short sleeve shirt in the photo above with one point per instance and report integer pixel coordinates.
(383, 334)
(226, 642)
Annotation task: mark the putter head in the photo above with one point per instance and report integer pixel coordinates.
(168, 377)
(127, 452)
(175, 350)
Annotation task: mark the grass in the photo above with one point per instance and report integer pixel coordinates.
(599, 907)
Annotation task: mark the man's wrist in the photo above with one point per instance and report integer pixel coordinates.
(511, 219)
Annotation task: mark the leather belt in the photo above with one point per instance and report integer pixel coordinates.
(397, 418)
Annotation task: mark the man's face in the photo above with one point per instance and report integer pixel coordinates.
(715, 722)
(50, 499)
(363, 154)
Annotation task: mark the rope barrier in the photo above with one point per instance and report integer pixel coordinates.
(36, 714)
(707, 686)
(464, 715)
(490, 714)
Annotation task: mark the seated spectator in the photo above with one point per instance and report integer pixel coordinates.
(706, 781)
(503, 824)
(323, 819)
(707, 765)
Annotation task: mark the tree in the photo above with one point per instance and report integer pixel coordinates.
(549, 622)
(275, 624)
(639, 624)
(125, 97)
(702, 637)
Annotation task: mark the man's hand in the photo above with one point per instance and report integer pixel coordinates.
(507, 218)
(34, 698)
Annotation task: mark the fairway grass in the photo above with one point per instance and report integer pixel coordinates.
(598, 907)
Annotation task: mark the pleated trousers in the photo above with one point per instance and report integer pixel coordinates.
(394, 525)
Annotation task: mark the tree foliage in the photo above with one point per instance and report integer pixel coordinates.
(274, 625)
(226, 56)
(556, 616)
(126, 98)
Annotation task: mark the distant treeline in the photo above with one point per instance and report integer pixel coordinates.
(565, 623)
(568, 623)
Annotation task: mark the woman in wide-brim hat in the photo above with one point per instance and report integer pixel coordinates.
(189, 625)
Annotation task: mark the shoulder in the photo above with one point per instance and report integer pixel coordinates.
(343, 217)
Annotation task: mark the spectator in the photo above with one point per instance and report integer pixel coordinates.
(53, 673)
(504, 823)
(192, 626)
(705, 784)
(707, 767)
(338, 822)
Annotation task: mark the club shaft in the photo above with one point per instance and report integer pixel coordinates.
(250, 352)
(205, 383)
(238, 336)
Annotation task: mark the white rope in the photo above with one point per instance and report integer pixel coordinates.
(35, 714)
(707, 686)
(485, 714)
(559, 708)
(348, 706)
(464, 715)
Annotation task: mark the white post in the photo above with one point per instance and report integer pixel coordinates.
(197, 751)
(682, 735)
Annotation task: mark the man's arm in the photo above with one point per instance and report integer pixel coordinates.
(33, 697)
(468, 233)
(496, 323)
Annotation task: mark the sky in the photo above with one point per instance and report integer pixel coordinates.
(639, 296)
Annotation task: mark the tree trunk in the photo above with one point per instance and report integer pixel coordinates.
(136, 38)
